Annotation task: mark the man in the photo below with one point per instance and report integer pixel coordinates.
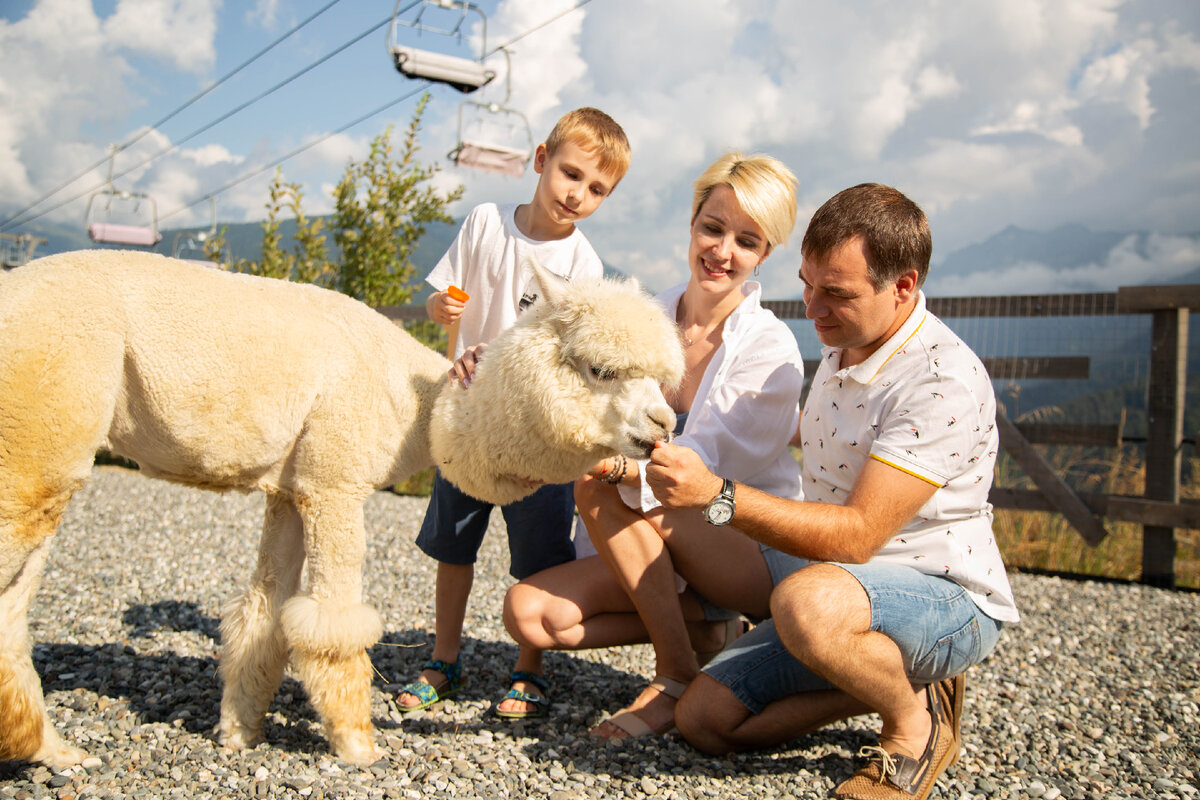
(905, 588)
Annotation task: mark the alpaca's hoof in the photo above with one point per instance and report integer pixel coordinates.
(58, 754)
(236, 737)
(358, 749)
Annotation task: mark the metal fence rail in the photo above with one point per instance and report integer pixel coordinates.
(1160, 510)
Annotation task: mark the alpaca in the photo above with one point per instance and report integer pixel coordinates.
(227, 381)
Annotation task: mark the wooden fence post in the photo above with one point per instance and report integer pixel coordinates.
(1164, 439)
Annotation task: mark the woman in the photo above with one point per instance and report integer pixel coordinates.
(739, 401)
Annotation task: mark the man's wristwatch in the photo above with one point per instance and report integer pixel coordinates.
(720, 509)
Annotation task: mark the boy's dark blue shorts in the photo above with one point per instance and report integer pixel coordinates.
(539, 527)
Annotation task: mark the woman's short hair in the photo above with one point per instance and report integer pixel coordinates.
(593, 130)
(764, 187)
(894, 229)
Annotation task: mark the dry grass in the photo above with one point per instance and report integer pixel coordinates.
(1043, 540)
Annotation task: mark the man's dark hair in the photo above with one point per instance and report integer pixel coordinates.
(894, 231)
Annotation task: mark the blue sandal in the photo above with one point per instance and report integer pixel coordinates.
(429, 694)
(541, 704)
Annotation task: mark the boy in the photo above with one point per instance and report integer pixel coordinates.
(578, 166)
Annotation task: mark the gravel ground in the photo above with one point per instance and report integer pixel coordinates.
(1095, 695)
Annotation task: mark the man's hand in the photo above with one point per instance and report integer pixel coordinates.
(679, 479)
(462, 369)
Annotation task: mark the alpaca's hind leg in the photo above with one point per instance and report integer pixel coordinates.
(26, 732)
(253, 649)
(329, 628)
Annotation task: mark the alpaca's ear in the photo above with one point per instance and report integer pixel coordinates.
(552, 285)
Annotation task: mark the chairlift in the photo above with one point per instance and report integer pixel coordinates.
(489, 156)
(189, 245)
(464, 74)
(98, 218)
(16, 249)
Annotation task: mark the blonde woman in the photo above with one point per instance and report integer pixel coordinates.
(739, 405)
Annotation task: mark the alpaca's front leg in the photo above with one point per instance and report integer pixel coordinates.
(329, 628)
(253, 648)
(26, 732)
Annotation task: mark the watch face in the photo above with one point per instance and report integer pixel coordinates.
(720, 512)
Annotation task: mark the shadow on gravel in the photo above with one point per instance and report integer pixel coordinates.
(487, 666)
(126, 688)
(671, 754)
(170, 615)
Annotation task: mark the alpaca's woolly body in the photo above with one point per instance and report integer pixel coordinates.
(227, 381)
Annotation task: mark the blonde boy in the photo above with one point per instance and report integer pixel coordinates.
(578, 166)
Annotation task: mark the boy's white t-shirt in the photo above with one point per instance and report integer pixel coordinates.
(487, 261)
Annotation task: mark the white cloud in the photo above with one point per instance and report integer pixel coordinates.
(989, 113)
(179, 32)
(211, 154)
(263, 13)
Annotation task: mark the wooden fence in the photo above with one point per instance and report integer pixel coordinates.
(1160, 510)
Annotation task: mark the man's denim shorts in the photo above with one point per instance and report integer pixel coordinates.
(937, 626)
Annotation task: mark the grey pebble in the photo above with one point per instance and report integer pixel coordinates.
(1095, 694)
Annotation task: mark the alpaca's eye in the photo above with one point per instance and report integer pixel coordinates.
(603, 373)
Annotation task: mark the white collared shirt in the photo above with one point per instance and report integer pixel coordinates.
(747, 404)
(488, 261)
(924, 404)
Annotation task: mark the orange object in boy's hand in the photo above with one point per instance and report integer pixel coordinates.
(458, 294)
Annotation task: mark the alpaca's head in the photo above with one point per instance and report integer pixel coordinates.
(578, 378)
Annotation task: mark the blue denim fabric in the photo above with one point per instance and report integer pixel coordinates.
(938, 628)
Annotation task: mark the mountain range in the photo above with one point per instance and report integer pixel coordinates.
(1117, 352)
(1068, 248)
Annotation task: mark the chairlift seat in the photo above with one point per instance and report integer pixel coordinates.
(492, 158)
(112, 233)
(463, 74)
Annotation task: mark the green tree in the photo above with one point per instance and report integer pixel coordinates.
(383, 206)
(308, 261)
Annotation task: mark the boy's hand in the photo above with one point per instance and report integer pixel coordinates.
(444, 309)
(679, 479)
(464, 367)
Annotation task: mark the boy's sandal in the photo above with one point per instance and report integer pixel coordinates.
(636, 727)
(429, 694)
(540, 703)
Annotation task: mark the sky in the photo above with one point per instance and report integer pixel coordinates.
(989, 113)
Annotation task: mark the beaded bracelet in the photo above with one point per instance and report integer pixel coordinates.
(618, 472)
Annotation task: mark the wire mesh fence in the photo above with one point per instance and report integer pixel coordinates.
(1074, 372)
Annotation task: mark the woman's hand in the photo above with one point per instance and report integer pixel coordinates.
(679, 479)
(464, 367)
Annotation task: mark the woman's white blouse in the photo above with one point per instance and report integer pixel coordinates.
(747, 405)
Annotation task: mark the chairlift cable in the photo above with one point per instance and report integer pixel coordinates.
(155, 126)
(311, 144)
(214, 122)
(424, 85)
(537, 28)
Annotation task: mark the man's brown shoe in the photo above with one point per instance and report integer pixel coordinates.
(897, 774)
(951, 692)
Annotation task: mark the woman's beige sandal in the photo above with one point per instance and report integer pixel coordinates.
(634, 726)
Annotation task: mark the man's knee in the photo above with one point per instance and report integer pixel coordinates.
(813, 604)
(708, 715)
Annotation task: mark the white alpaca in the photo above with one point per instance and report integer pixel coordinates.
(227, 381)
